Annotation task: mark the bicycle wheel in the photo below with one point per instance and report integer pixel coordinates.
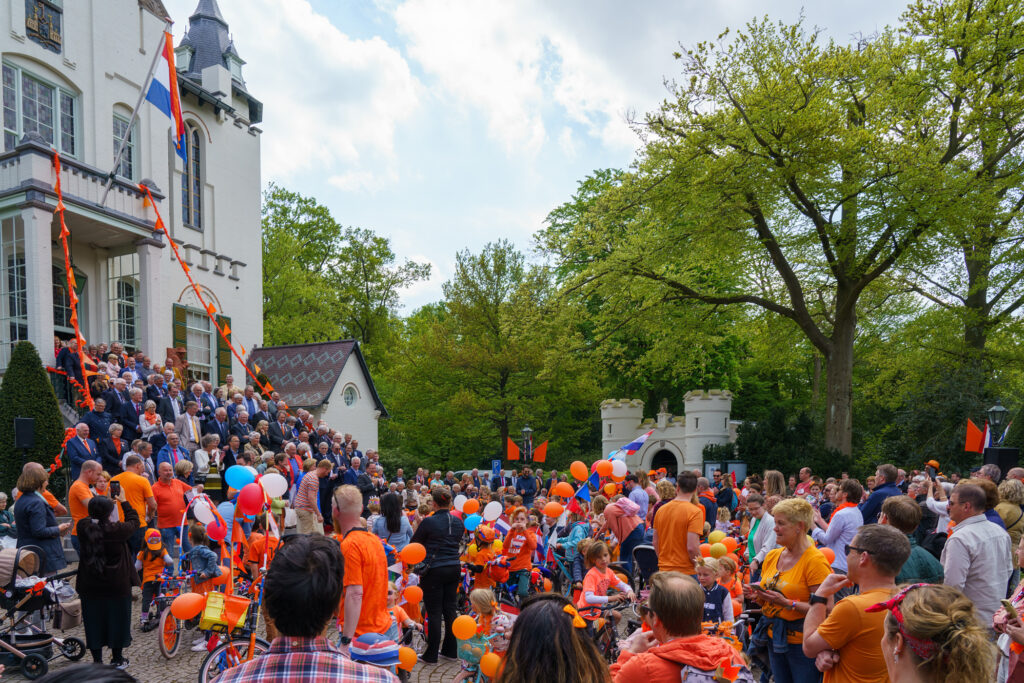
(229, 655)
(169, 631)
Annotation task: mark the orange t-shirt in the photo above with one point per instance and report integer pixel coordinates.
(152, 567)
(794, 583)
(78, 504)
(50, 499)
(519, 545)
(400, 615)
(258, 548)
(170, 502)
(482, 557)
(598, 583)
(136, 490)
(366, 565)
(673, 521)
(855, 634)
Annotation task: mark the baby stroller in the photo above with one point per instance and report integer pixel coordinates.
(27, 598)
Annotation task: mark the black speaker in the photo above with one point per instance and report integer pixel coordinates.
(1005, 458)
(24, 432)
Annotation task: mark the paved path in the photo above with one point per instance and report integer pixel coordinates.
(148, 665)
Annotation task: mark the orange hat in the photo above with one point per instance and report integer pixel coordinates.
(663, 470)
(153, 539)
(933, 463)
(651, 473)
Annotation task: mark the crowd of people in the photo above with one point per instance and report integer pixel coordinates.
(902, 577)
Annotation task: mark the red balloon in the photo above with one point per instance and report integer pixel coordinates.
(250, 499)
(216, 530)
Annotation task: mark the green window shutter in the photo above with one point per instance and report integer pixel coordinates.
(178, 328)
(223, 351)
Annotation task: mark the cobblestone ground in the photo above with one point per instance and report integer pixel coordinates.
(149, 666)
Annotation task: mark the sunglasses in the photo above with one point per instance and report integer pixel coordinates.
(645, 610)
(853, 547)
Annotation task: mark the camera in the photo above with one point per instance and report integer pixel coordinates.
(115, 489)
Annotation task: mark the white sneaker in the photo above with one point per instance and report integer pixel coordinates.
(201, 640)
(199, 647)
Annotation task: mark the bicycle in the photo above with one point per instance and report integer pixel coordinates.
(237, 644)
(471, 651)
(605, 635)
(168, 626)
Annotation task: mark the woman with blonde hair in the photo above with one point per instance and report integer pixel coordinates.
(932, 634)
(789, 575)
(774, 484)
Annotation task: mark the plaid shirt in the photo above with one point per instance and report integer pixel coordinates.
(308, 496)
(304, 659)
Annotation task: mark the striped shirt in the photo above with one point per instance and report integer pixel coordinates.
(308, 496)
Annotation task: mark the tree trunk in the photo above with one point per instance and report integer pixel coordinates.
(816, 381)
(503, 428)
(839, 384)
(978, 263)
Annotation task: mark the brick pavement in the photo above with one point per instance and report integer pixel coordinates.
(148, 665)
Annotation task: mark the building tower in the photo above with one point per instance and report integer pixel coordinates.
(707, 422)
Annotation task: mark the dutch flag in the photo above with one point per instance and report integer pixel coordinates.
(163, 93)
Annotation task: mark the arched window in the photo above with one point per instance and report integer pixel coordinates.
(192, 181)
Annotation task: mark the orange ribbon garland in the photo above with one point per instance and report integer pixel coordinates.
(86, 399)
(208, 307)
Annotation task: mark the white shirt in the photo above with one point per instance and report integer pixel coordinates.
(202, 459)
(841, 530)
(977, 559)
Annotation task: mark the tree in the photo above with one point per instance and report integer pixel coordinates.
(784, 174)
(26, 392)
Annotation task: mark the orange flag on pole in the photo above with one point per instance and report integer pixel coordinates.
(540, 453)
(975, 442)
(513, 450)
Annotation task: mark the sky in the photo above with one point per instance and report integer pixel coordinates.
(448, 124)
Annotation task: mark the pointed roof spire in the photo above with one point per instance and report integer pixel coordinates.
(209, 10)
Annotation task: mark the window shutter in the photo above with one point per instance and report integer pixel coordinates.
(179, 333)
(223, 351)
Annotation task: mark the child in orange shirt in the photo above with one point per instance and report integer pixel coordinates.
(477, 564)
(729, 578)
(150, 563)
(399, 617)
(600, 579)
(519, 546)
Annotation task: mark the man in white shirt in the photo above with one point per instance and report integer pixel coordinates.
(977, 558)
(844, 523)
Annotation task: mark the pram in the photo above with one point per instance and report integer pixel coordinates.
(24, 594)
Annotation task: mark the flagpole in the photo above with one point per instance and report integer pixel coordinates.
(135, 113)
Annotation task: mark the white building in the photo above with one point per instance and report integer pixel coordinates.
(72, 71)
(677, 441)
(330, 380)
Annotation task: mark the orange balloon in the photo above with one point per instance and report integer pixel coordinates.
(578, 471)
(414, 553)
(730, 543)
(736, 609)
(734, 558)
(705, 550)
(489, 664)
(553, 509)
(471, 506)
(618, 479)
(609, 489)
(604, 468)
(188, 605)
(414, 594)
(464, 627)
(563, 489)
(829, 554)
(547, 585)
(406, 658)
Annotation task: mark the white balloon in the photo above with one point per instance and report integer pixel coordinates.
(203, 512)
(252, 469)
(274, 484)
(492, 511)
(618, 468)
(459, 501)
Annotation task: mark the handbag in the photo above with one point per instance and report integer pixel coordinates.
(68, 615)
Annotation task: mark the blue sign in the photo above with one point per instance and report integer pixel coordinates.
(495, 468)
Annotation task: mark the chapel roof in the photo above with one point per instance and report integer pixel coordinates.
(306, 374)
(210, 40)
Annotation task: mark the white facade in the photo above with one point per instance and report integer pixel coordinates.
(74, 93)
(677, 441)
(357, 412)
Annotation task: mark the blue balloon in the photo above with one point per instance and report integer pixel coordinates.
(250, 518)
(227, 511)
(472, 521)
(237, 476)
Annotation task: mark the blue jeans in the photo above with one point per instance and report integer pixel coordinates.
(169, 535)
(522, 579)
(635, 538)
(792, 666)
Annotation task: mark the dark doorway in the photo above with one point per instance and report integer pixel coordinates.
(666, 459)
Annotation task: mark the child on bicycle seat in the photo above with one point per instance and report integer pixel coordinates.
(730, 579)
(717, 601)
(150, 563)
(205, 562)
(600, 579)
(476, 564)
(519, 546)
(579, 530)
(491, 622)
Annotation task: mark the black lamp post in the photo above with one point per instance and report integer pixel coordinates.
(997, 421)
(527, 450)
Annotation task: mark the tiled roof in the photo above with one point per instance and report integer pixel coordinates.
(155, 7)
(210, 40)
(305, 374)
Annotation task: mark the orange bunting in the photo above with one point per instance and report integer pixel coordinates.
(268, 387)
(210, 308)
(256, 368)
(227, 330)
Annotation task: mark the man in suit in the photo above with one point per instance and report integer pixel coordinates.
(68, 361)
(80, 449)
(219, 425)
(129, 372)
(205, 405)
(261, 415)
(279, 432)
(157, 389)
(272, 404)
(170, 406)
(173, 453)
(189, 427)
(98, 420)
(172, 367)
(234, 405)
(241, 428)
(500, 481)
(117, 398)
(131, 414)
(251, 402)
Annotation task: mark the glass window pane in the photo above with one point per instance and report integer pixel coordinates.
(67, 123)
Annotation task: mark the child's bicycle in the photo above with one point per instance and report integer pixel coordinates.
(169, 628)
(605, 635)
(471, 651)
(234, 620)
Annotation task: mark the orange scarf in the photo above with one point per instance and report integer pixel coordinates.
(841, 506)
(151, 418)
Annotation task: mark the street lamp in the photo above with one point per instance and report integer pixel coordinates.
(527, 451)
(996, 420)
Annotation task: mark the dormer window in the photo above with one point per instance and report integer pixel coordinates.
(183, 57)
(235, 67)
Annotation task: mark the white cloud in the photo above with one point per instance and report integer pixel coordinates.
(363, 181)
(331, 101)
